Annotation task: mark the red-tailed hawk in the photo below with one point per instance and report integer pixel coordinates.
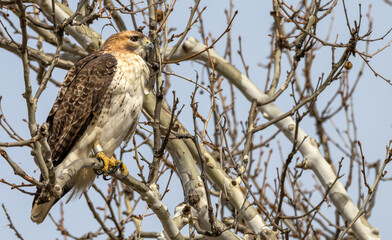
(99, 102)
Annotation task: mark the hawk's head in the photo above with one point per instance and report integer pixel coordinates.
(131, 41)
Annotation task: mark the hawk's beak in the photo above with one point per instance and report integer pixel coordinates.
(148, 44)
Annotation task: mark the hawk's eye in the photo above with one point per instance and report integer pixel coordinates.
(134, 38)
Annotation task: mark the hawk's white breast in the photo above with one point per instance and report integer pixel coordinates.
(123, 103)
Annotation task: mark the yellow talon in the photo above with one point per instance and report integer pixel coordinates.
(124, 169)
(108, 162)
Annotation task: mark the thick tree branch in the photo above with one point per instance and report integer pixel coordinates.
(184, 152)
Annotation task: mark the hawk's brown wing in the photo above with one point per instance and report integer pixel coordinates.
(81, 97)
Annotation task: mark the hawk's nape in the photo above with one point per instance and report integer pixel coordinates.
(99, 102)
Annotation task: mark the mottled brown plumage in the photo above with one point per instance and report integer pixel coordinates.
(79, 100)
(99, 102)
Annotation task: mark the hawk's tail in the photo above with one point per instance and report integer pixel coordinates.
(40, 211)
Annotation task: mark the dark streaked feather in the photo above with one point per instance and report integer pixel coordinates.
(80, 99)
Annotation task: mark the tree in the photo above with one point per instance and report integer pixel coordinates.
(211, 128)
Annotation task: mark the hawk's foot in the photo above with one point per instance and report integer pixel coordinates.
(107, 162)
(110, 165)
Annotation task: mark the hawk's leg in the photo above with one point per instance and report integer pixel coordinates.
(109, 163)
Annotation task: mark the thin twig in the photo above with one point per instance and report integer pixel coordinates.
(11, 225)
